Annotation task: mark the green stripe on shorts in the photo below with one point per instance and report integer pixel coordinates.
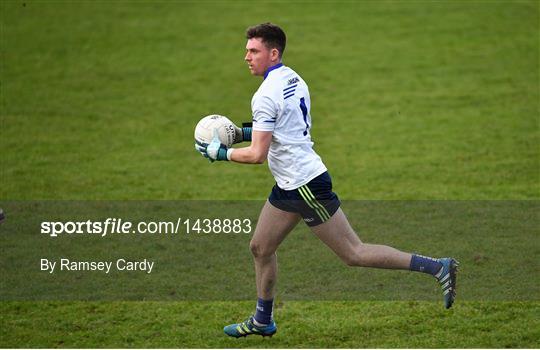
(308, 196)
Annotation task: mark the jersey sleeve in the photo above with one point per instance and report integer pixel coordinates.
(264, 113)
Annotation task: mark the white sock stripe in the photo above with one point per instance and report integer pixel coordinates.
(427, 257)
(258, 324)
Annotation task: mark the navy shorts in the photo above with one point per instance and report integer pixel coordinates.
(314, 201)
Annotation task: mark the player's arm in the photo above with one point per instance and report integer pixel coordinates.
(255, 153)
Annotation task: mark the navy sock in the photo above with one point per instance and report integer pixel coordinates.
(425, 264)
(263, 315)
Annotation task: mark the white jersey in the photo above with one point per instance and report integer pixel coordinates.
(281, 105)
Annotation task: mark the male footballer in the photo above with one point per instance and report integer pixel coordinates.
(280, 133)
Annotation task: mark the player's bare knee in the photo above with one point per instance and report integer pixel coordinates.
(352, 260)
(260, 251)
(355, 258)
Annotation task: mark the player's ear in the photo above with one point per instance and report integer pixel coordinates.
(274, 54)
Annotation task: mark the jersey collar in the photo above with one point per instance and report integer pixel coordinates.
(272, 68)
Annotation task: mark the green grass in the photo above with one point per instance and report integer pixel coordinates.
(411, 100)
(302, 325)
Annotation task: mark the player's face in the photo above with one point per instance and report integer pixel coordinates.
(258, 57)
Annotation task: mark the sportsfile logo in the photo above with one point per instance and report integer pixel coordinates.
(120, 226)
(110, 225)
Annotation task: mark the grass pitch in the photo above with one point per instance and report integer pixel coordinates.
(411, 100)
(387, 324)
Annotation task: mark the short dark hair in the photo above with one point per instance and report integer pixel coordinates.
(271, 35)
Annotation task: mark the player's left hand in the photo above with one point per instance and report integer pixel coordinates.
(244, 133)
(214, 150)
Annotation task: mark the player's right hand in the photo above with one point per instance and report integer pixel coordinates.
(214, 150)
